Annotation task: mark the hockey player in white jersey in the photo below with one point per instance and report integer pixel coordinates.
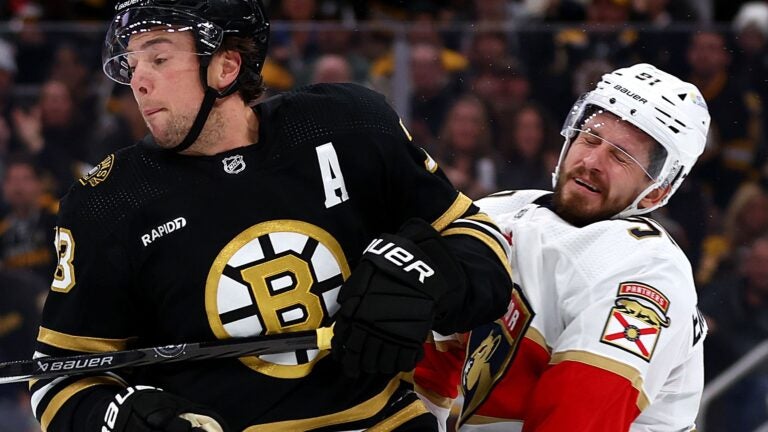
(616, 342)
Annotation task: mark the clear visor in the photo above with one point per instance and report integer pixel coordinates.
(117, 60)
(593, 125)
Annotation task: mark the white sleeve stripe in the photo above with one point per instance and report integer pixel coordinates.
(38, 395)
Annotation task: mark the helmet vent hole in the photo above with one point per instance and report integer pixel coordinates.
(668, 101)
(674, 129)
(657, 109)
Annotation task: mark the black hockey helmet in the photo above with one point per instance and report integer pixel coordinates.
(209, 21)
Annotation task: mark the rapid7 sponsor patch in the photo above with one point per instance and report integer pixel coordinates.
(635, 322)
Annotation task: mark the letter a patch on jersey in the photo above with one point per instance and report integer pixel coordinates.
(635, 322)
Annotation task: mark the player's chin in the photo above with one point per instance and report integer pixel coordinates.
(164, 140)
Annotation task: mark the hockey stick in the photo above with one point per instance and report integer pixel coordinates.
(49, 367)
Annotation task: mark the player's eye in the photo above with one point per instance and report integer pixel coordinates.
(592, 140)
(620, 157)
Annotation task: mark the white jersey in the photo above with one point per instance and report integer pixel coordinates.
(618, 295)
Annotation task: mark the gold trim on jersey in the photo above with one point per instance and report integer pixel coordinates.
(413, 410)
(268, 305)
(535, 336)
(481, 217)
(483, 420)
(358, 412)
(67, 392)
(435, 398)
(485, 238)
(610, 365)
(458, 208)
(80, 343)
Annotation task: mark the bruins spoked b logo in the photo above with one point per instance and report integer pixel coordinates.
(276, 277)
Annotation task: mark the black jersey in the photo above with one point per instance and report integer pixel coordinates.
(157, 248)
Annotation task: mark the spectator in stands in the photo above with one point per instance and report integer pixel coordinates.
(7, 74)
(53, 132)
(27, 228)
(465, 148)
(505, 85)
(528, 150)
(745, 219)
(730, 157)
(70, 67)
(750, 58)
(121, 126)
(19, 319)
(609, 36)
(34, 49)
(433, 92)
(660, 42)
(485, 49)
(736, 309)
(335, 38)
(291, 48)
(331, 68)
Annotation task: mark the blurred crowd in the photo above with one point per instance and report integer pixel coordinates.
(482, 85)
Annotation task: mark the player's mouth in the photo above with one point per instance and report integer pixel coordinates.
(587, 185)
(150, 111)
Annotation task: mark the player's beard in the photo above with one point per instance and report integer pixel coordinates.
(577, 212)
(179, 125)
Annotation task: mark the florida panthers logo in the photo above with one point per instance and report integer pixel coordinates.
(275, 277)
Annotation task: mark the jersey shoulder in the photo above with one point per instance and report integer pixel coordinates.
(321, 112)
(509, 202)
(114, 189)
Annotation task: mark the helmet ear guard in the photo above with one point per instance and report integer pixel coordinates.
(669, 110)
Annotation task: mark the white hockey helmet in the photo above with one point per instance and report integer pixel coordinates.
(671, 111)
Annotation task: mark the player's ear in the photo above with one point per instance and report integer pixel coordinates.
(654, 196)
(224, 68)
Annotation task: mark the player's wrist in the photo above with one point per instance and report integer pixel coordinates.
(150, 409)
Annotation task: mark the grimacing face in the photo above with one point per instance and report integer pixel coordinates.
(166, 85)
(604, 169)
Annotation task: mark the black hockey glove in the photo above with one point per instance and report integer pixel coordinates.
(149, 409)
(402, 286)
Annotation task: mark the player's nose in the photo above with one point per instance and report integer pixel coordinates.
(141, 82)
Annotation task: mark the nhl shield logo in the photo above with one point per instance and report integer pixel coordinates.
(233, 164)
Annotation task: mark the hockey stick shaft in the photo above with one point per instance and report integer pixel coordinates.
(51, 367)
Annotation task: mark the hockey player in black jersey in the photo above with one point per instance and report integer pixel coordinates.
(237, 219)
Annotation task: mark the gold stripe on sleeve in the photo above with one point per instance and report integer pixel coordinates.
(535, 336)
(414, 409)
(610, 365)
(359, 412)
(79, 343)
(458, 208)
(489, 241)
(481, 217)
(67, 392)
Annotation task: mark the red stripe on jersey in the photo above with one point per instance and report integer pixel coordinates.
(440, 371)
(580, 397)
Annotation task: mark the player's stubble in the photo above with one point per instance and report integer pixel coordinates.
(178, 126)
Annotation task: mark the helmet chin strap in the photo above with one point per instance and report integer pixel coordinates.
(211, 94)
